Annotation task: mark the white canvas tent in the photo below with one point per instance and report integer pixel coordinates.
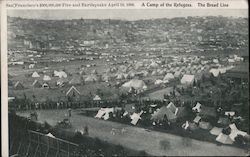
(197, 107)
(135, 83)
(35, 75)
(157, 82)
(50, 135)
(36, 84)
(91, 78)
(205, 125)
(215, 72)
(135, 117)
(235, 132)
(187, 79)
(104, 113)
(197, 119)
(168, 76)
(185, 125)
(216, 131)
(72, 91)
(172, 107)
(225, 139)
(97, 98)
(60, 74)
(46, 78)
(177, 74)
(61, 81)
(153, 65)
(45, 85)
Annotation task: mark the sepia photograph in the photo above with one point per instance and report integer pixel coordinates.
(128, 82)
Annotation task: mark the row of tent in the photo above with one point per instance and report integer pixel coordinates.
(221, 70)
(171, 112)
(60, 74)
(119, 76)
(133, 83)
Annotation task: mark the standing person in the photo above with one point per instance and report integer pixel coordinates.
(86, 130)
(36, 105)
(69, 112)
(58, 105)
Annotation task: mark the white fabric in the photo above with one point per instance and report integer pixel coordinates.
(100, 113)
(104, 112)
(197, 107)
(215, 131)
(168, 76)
(225, 139)
(185, 125)
(135, 117)
(158, 82)
(136, 84)
(46, 78)
(187, 79)
(231, 113)
(197, 119)
(60, 74)
(97, 97)
(50, 135)
(235, 132)
(35, 74)
(215, 72)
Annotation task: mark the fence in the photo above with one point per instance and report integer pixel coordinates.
(41, 145)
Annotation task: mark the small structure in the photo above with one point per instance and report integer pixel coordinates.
(46, 78)
(104, 113)
(187, 79)
(135, 117)
(214, 72)
(168, 76)
(97, 98)
(50, 135)
(205, 125)
(136, 84)
(91, 78)
(73, 92)
(36, 84)
(235, 132)
(172, 107)
(185, 125)
(18, 85)
(61, 82)
(197, 107)
(225, 139)
(60, 74)
(35, 75)
(45, 85)
(197, 119)
(216, 131)
(164, 112)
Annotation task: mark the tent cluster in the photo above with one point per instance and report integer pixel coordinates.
(104, 113)
(227, 138)
(169, 113)
(223, 123)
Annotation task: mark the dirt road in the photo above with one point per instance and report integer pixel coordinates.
(153, 142)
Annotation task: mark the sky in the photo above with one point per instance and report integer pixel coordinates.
(124, 14)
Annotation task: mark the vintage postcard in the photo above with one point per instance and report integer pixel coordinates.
(124, 78)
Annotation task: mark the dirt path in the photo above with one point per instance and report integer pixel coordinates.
(153, 142)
